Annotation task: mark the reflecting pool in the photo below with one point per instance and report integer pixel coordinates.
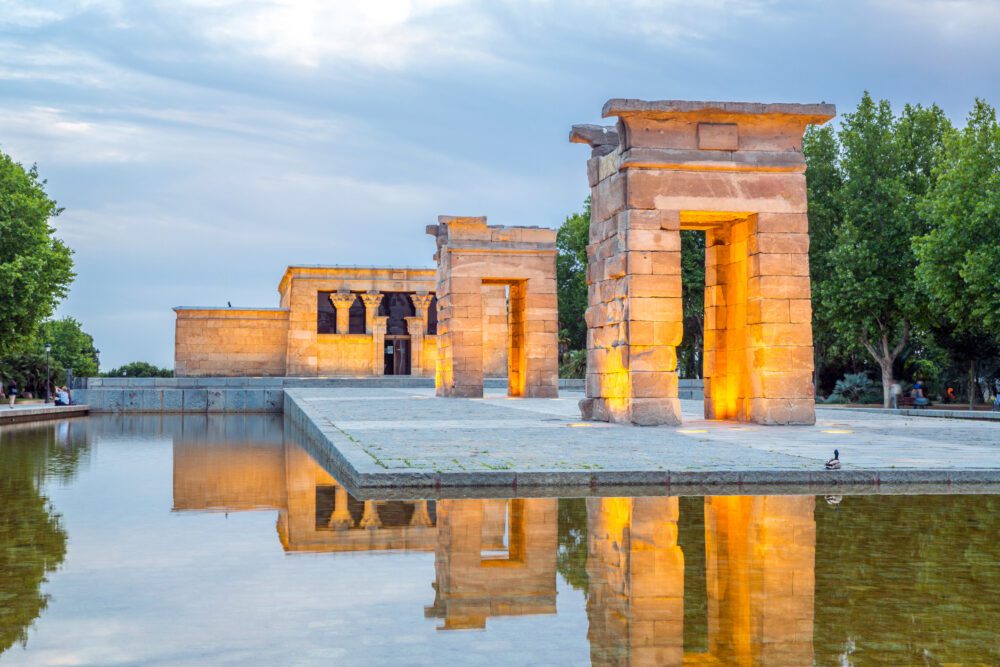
(189, 540)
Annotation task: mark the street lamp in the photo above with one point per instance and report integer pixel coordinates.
(48, 388)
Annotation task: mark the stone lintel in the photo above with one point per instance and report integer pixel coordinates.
(665, 109)
(640, 157)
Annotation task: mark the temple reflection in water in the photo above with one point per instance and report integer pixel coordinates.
(752, 602)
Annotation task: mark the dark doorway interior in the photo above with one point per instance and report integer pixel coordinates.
(397, 355)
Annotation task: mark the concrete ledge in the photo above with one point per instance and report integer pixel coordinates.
(924, 412)
(20, 415)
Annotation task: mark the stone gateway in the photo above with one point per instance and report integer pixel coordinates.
(736, 171)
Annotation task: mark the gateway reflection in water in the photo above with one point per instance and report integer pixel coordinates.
(723, 580)
(498, 557)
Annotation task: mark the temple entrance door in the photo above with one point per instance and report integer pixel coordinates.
(397, 355)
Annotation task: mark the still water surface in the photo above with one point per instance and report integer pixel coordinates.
(195, 540)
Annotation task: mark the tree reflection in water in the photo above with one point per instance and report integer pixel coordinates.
(32, 541)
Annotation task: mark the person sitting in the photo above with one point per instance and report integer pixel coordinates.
(920, 400)
(62, 396)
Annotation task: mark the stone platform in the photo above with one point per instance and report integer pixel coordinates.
(379, 439)
(31, 412)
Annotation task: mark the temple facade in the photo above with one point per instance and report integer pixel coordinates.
(330, 320)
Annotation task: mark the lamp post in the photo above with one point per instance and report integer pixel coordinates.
(48, 388)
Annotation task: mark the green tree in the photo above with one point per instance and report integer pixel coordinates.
(959, 255)
(139, 369)
(36, 268)
(689, 352)
(823, 185)
(871, 296)
(33, 541)
(571, 277)
(72, 347)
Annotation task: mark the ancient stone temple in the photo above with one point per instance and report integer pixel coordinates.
(479, 268)
(735, 171)
(331, 320)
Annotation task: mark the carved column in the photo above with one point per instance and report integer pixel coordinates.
(343, 301)
(340, 519)
(415, 327)
(421, 302)
(372, 301)
(421, 516)
(370, 519)
(372, 328)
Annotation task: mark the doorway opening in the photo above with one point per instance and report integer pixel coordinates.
(504, 331)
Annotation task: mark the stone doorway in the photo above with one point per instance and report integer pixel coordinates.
(477, 263)
(736, 171)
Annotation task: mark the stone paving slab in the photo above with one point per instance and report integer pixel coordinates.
(386, 438)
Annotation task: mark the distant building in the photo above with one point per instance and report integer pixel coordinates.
(331, 320)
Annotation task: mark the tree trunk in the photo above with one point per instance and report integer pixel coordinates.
(886, 357)
(887, 381)
(973, 386)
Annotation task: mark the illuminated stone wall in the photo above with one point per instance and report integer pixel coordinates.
(635, 602)
(761, 577)
(478, 576)
(285, 340)
(471, 254)
(736, 171)
(230, 341)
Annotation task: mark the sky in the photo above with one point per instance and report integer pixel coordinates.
(201, 146)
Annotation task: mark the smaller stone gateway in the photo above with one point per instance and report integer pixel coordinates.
(474, 262)
(734, 170)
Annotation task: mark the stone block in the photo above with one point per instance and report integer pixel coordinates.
(133, 400)
(234, 400)
(654, 286)
(769, 411)
(608, 197)
(195, 400)
(778, 287)
(718, 136)
(655, 384)
(114, 400)
(660, 240)
(782, 358)
(152, 400)
(800, 310)
(274, 400)
(656, 309)
(779, 243)
(780, 223)
(652, 358)
(778, 334)
(790, 384)
(173, 400)
(655, 411)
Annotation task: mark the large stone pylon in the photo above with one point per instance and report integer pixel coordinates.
(736, 171)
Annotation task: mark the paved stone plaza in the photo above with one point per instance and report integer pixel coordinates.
(409, 438)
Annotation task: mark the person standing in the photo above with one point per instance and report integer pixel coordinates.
(12, 392)
(895, 391)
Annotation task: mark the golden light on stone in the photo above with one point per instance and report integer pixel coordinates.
(736, 172)
(837, 431)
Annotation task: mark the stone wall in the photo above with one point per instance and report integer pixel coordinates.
(230, 341)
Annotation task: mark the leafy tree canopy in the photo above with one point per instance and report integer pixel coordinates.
(36, 268)
(571, 278)
(139, 369)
